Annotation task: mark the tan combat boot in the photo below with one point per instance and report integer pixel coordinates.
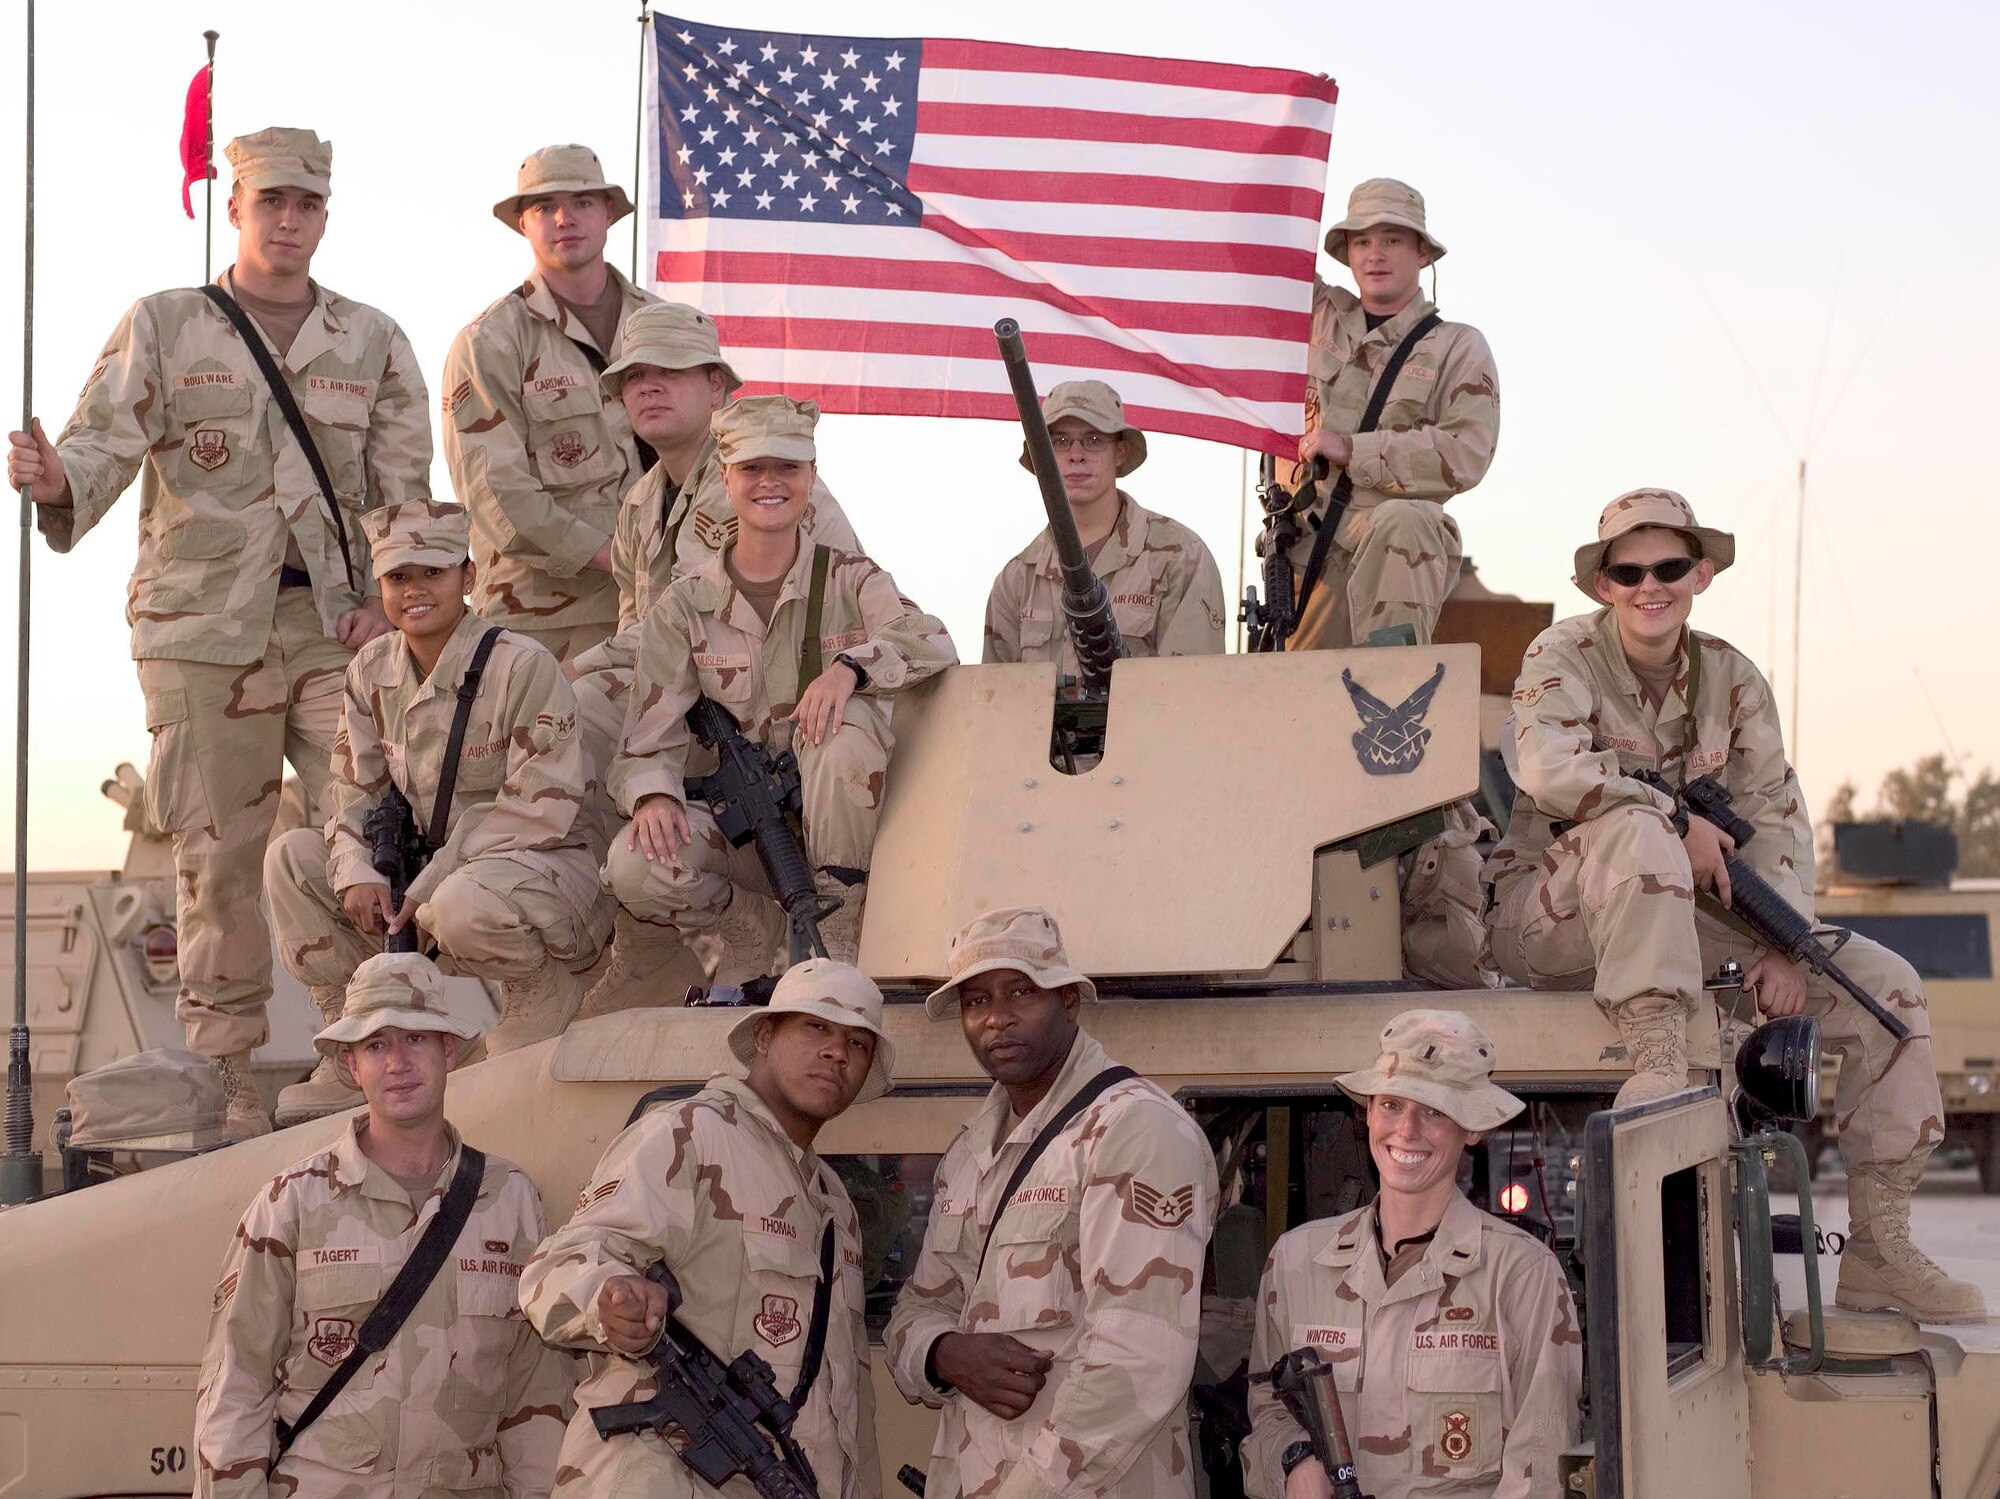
(245, 1114)
(752, 930)
(1654, 1029)
(650, 965)
(1880, 1269)
(534, 1008)
(841, 930)
(322, 1093)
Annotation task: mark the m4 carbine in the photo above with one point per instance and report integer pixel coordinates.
(1272, 619)
(1753, 901)
(755, 796)
(399, 854)
(1303, 1382)
(731, 1415)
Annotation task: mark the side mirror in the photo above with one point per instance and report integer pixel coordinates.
(1777, 1074)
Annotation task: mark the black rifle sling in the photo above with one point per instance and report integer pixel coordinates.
(448, 777)
(1343, 488)
(809, 1361)
(389, 1314)
(811, 661)
(1085, 1096)
(647, 455)
(294, 418)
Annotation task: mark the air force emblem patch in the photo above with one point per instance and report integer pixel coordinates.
(1391, 741)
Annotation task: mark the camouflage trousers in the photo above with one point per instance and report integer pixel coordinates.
(503, 917)
(841, 782)
(1444, 941)
(1610, 909)
(601, 699)
(1389, 565)
(221, 736)
(564, 641)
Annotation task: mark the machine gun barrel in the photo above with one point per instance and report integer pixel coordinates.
(754, 796)
(1086, 604)
(399, 854)
(1759, 906)
(1303, 1381)
(732, 1416)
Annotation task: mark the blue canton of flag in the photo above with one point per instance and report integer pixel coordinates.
(783, 128)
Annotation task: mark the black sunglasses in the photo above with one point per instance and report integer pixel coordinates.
(1632, 574)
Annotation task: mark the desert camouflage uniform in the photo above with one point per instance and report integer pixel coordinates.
(238, 674)
(714, 1187)
(1396, 554)
(702, 524)
(1165, 591)
(515, 885)
(1461, 1378)
(701, 638)
(465, 1400)
(1608, 906)
(540, 457)
(1097, 1263)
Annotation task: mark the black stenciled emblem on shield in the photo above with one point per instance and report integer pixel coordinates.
(1391, 740)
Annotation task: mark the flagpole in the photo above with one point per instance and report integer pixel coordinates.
(208, 157)
(21, 1166)
(639, 135)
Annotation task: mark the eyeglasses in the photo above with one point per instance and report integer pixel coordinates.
(1632, 574)
(1090, 442)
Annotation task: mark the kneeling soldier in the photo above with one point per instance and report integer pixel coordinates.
(725, 1190)
(1053, 1315)
(1604, 884)
(511, 891)
(465, 1396)
(781, 633)
(1452, 1336)
(1165, 589)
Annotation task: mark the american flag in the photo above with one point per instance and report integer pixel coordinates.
(857, 212)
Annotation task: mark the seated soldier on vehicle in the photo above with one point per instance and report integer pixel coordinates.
(1165, 589)
(800, 643)
(1456, 1354)
(1604, 883)
(510, 892)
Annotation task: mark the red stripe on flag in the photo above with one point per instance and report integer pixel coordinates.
(1010, 57)
(753, 268)
(889, 400)
(1046, 122)
(1212, 256)
(936, 340)
(1116, 188)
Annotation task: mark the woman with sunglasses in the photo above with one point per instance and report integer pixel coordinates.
(1603, 883)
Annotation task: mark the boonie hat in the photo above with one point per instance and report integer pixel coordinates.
(1381, 200)
(667, 336)
(1098, 406)
(833, 991)
(1440, 1059)
(281, 157)
(417, 533)
(560, 169)
(1648, 507)
(765, 427)
(1024, 938)
(403, 989)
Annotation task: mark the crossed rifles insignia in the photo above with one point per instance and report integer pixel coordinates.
(1391, 741)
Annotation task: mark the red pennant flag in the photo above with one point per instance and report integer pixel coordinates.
(197, 132)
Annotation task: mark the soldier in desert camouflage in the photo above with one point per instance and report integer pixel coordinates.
(740, 632)
(1165, 589)
(536, 452)
(1601, 884)
(724, 1187)
(1454, 1343)
(512, 893)
(1056, 1330)
(465, 1398)
(251, 591)
(671, 380)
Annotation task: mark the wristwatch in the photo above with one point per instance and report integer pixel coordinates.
(1679, 819)
(1295, 1454)
(860, 673)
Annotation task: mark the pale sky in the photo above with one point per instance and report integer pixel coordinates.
(1630, 196)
